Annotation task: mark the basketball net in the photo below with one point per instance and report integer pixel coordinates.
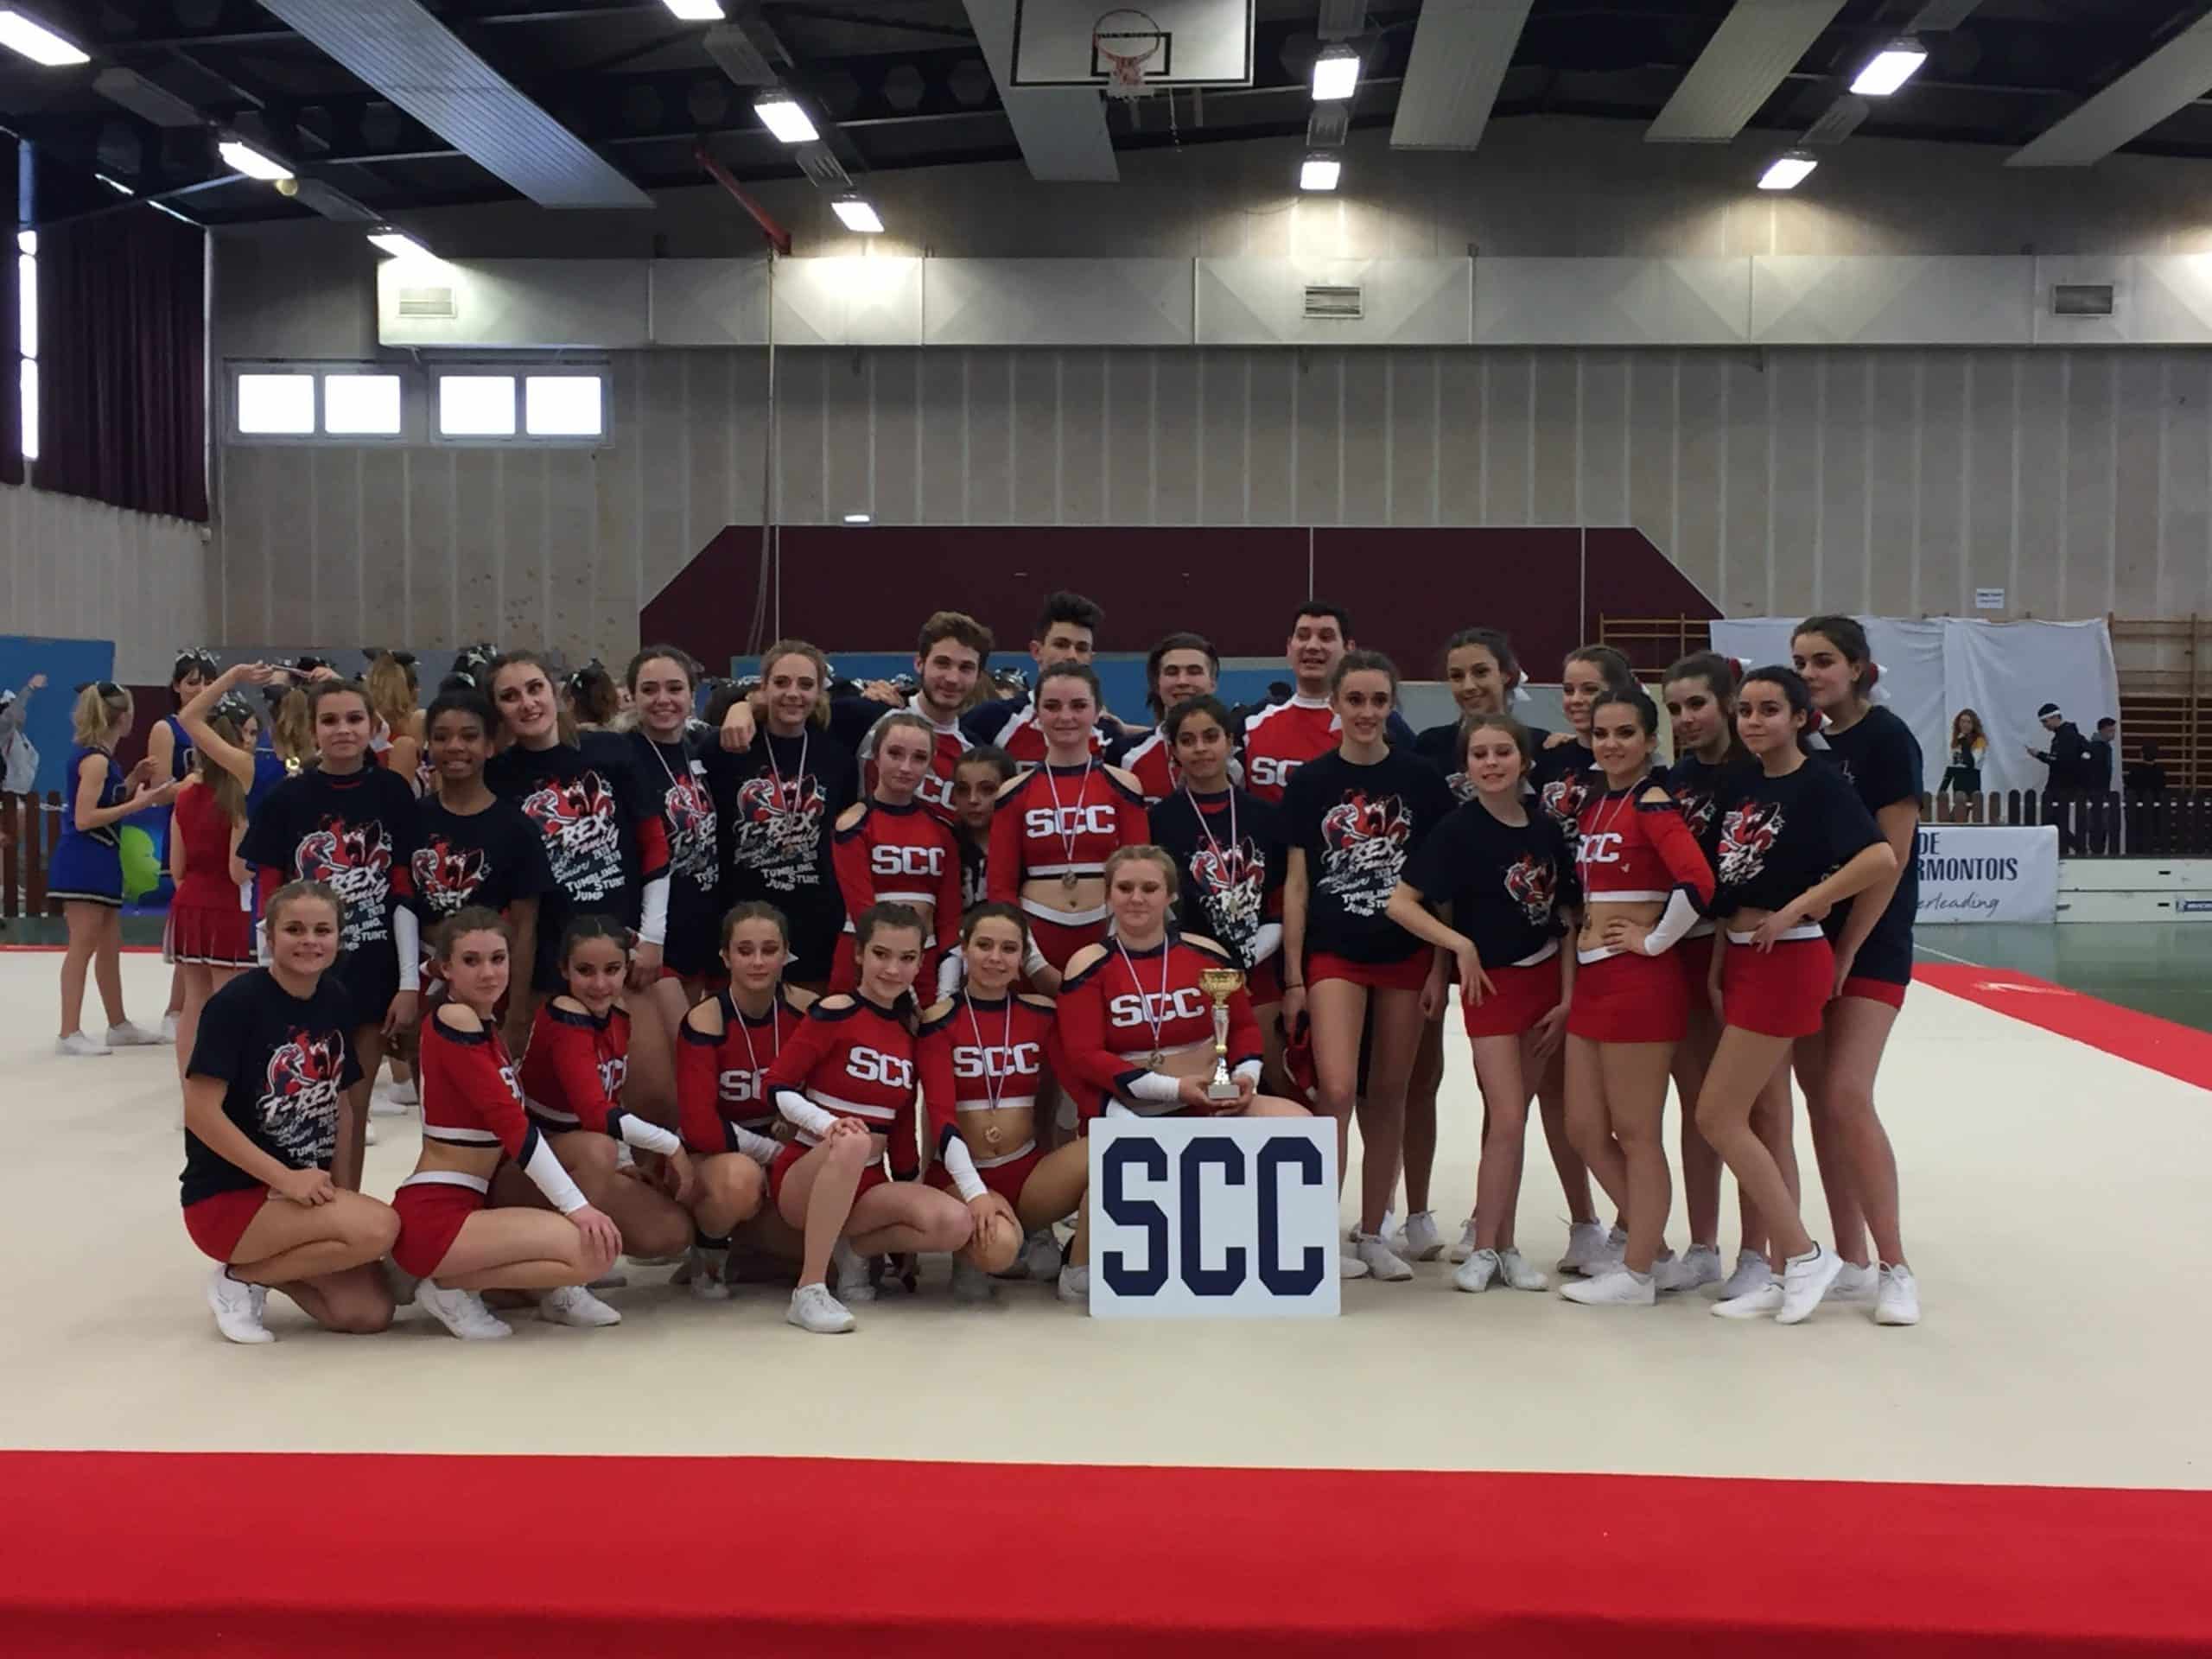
(1126, 40)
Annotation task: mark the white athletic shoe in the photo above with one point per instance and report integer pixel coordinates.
(1466, 1246)
(461, 1311)
(1699, 1267)
(573, 1305)
(1040, 1257)
(1751, 1272)
(1898, 1302)
(851, 1268)
(1804, 1279)
(1075, 1285)
(1418, 1240)
(1854, 1283)
(1618, 1287)
(368, 1134)
(1379, 1259)
(387, 1102)
(706, 1271)
(1349, 1266)
(78, 1046)
(970, 1283)
(1585, 1247)
(408, 1093)
(169, 1028)
(1759, 1302)
(127, 1035)
(1514, 1271)
(236, 1307)
(1473, 1275)
(813, 1308)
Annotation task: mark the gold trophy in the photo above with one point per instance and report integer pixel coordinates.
(1221, 984)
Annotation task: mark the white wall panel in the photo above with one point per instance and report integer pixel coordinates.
(1809, 300)
(710, 301)
(1058, 302)
(596, 304)
(1612, 302)
(1260, 301)
(851, 302)
(77, 569)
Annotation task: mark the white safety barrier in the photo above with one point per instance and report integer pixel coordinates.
(1196, 1218)
(1988, 874)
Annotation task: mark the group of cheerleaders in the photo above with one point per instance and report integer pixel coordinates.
(820, 980)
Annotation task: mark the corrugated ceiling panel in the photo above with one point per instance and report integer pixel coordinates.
(2174, 75)
(1061, 130)
(1756, 44)
(1460, 54)
(403, 52)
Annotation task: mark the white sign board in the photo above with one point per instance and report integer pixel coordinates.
(1971, 873)
(1989, 599)
(1209, 1218)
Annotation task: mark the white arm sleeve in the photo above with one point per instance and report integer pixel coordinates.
(648, 1137)
(800, 1109)
(1114, 1108)
(1265, 942)
(1681, 915)
(951, 968)
(960, 1164)
(761, 1149)
(1249, 1068)
(1033, 960)
(1156, 1085)
(653, 928)
(544, 1170)
(407, 936)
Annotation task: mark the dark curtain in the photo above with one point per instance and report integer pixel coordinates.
(123, 362)
(11, 402)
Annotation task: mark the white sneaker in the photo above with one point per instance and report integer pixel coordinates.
(461, 1311)
(970, 1283)
(169, 1028)
(127, 1035)
(1699, 1267)
(368, 1134)
(78, 1046)
(1585, 1249)
(1854, 1283)
(238, 1307)
(1751, 1274)
(1755, 1303)
(1349, 1266)
(1618, 1288)
(1075, 1285)
(1804, 1279)
(1040, 1257)
(386, 1103)
(573, 1305)
(1898, 1302)
(813, 1308)
(1514, 1271)
(1473, 1275)
(1380, 1260)
(1418, 1240)
(1466, 1246)
(851, 1268)
(705, 1270)
(408, 1093)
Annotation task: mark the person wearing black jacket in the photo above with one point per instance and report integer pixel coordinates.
(2071, 763)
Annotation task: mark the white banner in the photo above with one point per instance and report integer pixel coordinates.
(1972, 873)
(1205, 1218)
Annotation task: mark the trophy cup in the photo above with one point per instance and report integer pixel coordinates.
(1221, 984)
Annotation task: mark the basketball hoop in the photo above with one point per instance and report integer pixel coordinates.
(1125, 40)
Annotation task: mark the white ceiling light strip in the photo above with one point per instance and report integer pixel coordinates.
(1460, 54)
(2176, 75)
(1756, 45)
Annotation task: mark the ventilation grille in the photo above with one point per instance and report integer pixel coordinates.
(427, 303)
(816, 161)
(1332, 302)
(2081, 299)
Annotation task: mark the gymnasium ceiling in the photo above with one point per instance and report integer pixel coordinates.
(905, 84)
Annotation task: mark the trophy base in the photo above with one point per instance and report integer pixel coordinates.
(1220, 1090)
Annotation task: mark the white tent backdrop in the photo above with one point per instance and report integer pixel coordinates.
(2003, 670)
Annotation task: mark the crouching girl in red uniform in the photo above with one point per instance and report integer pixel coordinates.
(847, 1081)
(265, 1099)
(1644, 880)
(1136, 1038)
(449, 1239)
(723, 1057)
(573, 1082)
(983, 1056)
(1782, 830)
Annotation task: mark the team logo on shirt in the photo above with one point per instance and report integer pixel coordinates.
(446, 876)
(298, 1108)
(690, 818)
(1231, 882)
(779, 829)
(1565, 796)
(1699, 806)
(1746, 836)
(1534, 885)
(353, 861)
(1364, 850)
(1462, 787)
(583, 841)
(613, 1072)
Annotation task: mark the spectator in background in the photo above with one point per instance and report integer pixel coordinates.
(2146, 803)
(2099, 780)
(18, 757)
(2102, 747)
(2070, 761)
(1961, 785)
(2147, 776)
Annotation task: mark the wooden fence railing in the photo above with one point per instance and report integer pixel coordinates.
(29, 827)
(2091, 826)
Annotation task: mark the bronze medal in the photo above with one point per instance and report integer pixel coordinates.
(991, 1134)
(1155, 1061)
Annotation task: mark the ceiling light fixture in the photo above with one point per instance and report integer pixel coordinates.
(1788, 171)
(116, 185)
(1336, 73)
(858, 214)
(37, 41)
(780, 113)
(398, 243)
(859, 517)
(1319, 173)
(244, 158)
(1891, 68)
(697, 11)
(181, 219)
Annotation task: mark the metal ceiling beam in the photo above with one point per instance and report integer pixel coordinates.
(1461, 51)
(1061, 130)
(1750, 55)
(2170, 79)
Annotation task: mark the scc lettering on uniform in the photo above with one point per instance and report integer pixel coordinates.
(1045, 822)
(935, 790)
(1267, 770)
(888, 859)
(1154, 1008)
(998, 1060)
(1603, 847)
(611, 1074)
(741, 1086)
(873, 1065)
(1279, 1162)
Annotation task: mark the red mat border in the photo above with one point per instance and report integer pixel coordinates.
(269, 1554)
(2180, 1051)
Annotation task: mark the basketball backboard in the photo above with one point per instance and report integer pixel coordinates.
(1184, 42)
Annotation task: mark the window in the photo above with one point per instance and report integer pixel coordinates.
(476, 406)
(276, 404)
(368, 404)
(564, 405)
(548, 401)
(26, 369)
